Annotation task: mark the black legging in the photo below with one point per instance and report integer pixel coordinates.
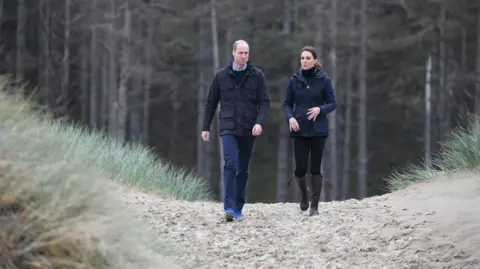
(302, 147)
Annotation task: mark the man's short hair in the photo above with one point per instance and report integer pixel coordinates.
(236, 43)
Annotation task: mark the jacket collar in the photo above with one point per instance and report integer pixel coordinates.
(249, 69)
(318, 74)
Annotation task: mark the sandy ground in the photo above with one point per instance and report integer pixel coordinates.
(431, 225)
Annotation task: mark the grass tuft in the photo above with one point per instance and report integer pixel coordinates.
(460, 151)
(60, 208)
(51, 216)
(31, 138)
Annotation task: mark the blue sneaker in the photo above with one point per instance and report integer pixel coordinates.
(238, 214)
(229, 214)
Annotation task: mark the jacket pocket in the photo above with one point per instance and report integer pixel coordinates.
(321, 125)
(299, 115)
(250, 91)
(226, 118)
(227, 91)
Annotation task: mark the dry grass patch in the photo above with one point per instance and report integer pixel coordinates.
(50, 220)
(459, 152)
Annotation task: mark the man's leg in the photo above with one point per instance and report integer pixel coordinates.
(301, 150)
(230, 157)
(317, 146)
(245, 146)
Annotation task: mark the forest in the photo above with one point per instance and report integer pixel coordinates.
(405, 73)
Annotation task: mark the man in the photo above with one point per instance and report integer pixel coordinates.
(241, 90)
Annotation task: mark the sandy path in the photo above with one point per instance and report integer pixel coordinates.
(434, 225)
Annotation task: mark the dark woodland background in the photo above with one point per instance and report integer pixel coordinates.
(140, 70)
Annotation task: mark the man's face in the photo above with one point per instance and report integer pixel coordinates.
(240, 55)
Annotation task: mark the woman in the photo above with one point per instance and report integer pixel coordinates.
(311, 91)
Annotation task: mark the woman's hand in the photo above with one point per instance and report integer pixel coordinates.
(313, 113)
(293, 124)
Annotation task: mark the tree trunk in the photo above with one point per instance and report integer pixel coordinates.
(124, 77)
(148, 74)
(296, 23)
(283, 132)
(216, 66)
(94, 68)
(319, 39)
(104, 100)
(362, 104)
(442, 92)
(333, 119)
(348, 113)
(84, 83)
(134, 107)
(174, 117)
(45, 61)
(21, 30)
(66, 60)
(113, 97)
(203, 157)
(428, 108)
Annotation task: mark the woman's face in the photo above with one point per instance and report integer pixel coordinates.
(307, 60)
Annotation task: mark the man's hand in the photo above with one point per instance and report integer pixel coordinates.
(257, 130)
(206, 136)
(313, 113)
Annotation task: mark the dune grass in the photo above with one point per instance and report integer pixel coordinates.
(32, 139)
(460, 151)
(53, 216)
(60, 208)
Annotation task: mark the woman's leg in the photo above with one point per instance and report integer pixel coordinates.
(301, 147)
(317, 146)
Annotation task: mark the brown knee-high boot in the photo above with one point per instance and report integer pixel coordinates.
(302, 184)
(317, 181)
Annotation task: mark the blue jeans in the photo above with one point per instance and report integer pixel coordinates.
(237, 153)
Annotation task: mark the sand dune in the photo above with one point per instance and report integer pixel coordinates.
(430, 225)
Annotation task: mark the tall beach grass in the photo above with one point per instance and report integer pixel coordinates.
(29, 138)
(57, 217)
(60, 202)
(460, 151)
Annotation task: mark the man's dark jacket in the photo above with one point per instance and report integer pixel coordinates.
(241, 105)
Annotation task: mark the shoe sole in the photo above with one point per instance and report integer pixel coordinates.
(229, 216)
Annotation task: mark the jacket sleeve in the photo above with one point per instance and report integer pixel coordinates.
(263, 100)
(330, 102)
(211, 104)
(288, 100)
